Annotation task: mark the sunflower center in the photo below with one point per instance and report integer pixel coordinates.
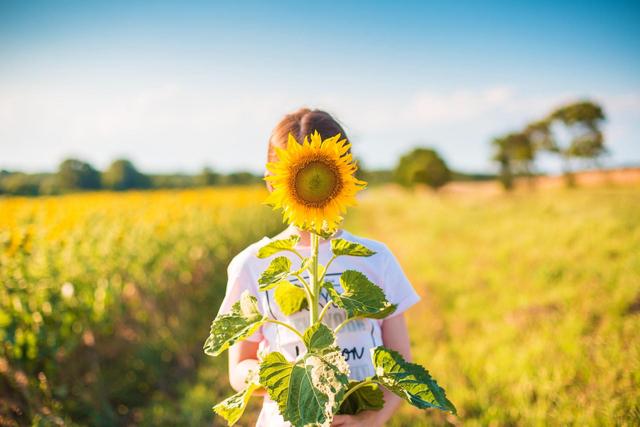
(316, 182)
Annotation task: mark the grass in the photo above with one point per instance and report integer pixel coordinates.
(530, 312)
(531, 302)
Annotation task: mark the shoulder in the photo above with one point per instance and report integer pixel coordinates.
(247, 258)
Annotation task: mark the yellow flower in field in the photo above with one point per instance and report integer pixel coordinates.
(314, 182)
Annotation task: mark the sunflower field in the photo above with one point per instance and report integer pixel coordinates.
(106, 298)
(530, 311)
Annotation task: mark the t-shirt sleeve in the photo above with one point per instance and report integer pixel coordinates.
(239, 280)
(397, 286)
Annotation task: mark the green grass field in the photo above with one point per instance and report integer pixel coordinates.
(530, 312)
(531, 302)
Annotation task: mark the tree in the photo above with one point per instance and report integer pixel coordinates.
(501, 155)
(242, 178)
(515, 153)
(581, 121)
(422, 166)
(19, 183)
(123, 175)
(208, 177)
(74, 174)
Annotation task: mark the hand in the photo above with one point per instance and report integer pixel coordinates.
(363, 419)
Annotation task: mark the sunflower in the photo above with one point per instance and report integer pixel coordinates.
(314, 182)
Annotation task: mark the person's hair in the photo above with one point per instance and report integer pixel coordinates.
(300, 124)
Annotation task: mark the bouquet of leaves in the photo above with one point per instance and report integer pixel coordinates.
(313, 183)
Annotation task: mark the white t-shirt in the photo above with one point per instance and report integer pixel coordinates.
(355, 339)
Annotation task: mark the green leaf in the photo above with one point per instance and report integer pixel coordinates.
(304, 265)
(325, 234)
(232, 408)
(275, 274)
(386, 311)
(242, 321)
(290, 298)
(345, 247)
(278, 246)
(308, 391)
(408, 380)
(367, 397)
(319, 337)
(360, 297)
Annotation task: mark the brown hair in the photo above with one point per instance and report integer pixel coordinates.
(300, 124)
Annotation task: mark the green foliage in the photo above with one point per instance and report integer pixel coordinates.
(278, 245)
(518, 330)
(74, 174)
(367, 397)
(290, 298)
(311, 389)
(22, 184)
(344, 247)
(408, 380)
(209, 177)
(360, 297)
(582, 120)
(515, 154)
(531, 304)
(232, 408)
(308, 392)
(101, 304)
(319, 337)
(123, 175)
(242, 178)
(243, 320)
(277, 271)
(422, 166)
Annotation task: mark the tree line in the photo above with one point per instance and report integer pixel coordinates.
(421, 165)
(77, 175)
(570, 132)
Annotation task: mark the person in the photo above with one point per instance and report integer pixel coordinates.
(358, 337)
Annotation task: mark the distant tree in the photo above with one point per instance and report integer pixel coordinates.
(539, 133)
(582, 122)
(422, 166)
(177, 180)
(373, 176)
(242, 178)
(502, 156)
(74, 174)
(49, 185)
(515, 154)
(208, 177)
(378, 176)
(18, 183)
(123, 175)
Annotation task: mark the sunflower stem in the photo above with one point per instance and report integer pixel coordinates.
(344, 323)
(315, 280)
(325, 309)
(304, 283)
(324, 273)
(289, 327)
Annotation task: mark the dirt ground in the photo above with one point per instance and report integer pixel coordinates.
(622, 176)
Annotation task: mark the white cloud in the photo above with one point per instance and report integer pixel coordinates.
(446, 107)
(178, 126)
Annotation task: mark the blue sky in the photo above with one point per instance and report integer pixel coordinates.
(175, 86)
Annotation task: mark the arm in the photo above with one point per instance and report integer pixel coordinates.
(396, 337)
(243, 358)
